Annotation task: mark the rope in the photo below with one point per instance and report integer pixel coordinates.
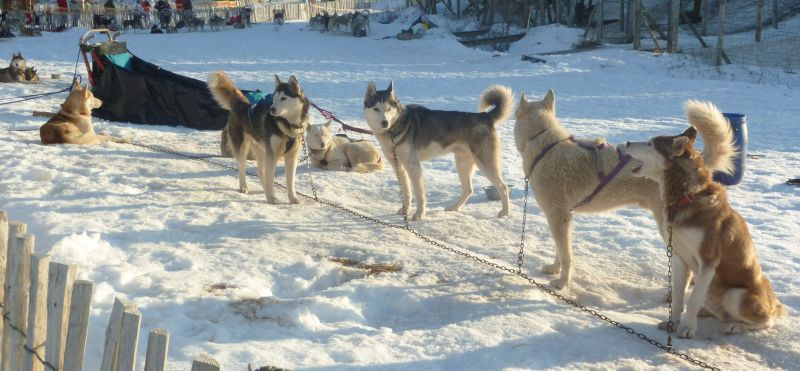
(465, 254)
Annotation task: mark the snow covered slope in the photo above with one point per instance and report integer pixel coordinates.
(286, 285)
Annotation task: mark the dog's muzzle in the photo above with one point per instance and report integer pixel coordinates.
(385, 124)
(273, 111)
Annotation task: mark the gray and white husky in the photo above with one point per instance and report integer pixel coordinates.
(15, 72)
(275, 130)
(418, 134)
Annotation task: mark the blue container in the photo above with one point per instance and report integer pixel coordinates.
(738, 123)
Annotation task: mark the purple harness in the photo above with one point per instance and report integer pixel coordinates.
(602, 178)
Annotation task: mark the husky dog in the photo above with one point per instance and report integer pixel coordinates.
(710, 240)
(31, 75)
(341, 153)
(418, 134)
(73, 122)
(15, 72)
(566, 174)
(273, 129)
(216, 22)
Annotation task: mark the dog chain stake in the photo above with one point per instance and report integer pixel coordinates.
(308, 166)
(670, 324)
(397, 171)
(521, 254)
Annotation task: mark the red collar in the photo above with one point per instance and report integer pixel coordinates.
(674, 208)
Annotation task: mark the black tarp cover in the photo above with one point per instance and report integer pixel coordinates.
(148, 94)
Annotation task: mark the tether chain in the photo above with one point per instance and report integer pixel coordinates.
(402, 197)
(461, 253)
(521, 253)
(308, 166)
(670, 324)
(25, 346)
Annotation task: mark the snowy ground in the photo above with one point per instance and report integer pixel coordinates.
(242, 281)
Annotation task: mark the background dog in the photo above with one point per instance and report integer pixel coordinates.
(341, 153)
(73, 122)
(567, 173)
(31, 75)
(15, 72)
(710, 239)
(273, 130)
(418, 134)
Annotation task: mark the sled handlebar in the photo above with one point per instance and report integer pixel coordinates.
(91, 33)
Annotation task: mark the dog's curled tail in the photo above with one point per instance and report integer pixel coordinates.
(718, 149)
(501, 98)
(224, 91)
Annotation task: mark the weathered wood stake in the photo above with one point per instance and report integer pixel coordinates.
(37, 317)
(78, 325)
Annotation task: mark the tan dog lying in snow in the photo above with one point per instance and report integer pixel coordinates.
(340, 153)
(710, 239)
(73, 122)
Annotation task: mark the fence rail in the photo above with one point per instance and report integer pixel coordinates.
(45, 314)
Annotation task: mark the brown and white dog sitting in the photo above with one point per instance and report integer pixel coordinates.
(710, 240)
(73, 122)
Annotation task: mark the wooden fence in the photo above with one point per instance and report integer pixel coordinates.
(45, 312)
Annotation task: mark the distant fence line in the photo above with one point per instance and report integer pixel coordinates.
(51, 16)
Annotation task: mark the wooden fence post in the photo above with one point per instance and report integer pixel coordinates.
(760, 19)
(205, 363)
(775, 14)
(37, 317)
(721, 34)
(3, 258)
(59, 295)
(704, 9)
(674, 14)
(78, 325)
(20, 261)
(111, 345)
(637, 25)
(14, 229)
(128, 340)
(600, 17)
(157, 348)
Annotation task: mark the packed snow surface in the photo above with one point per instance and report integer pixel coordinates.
(309, 287)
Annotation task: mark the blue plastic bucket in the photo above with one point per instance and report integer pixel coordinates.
(738, 123)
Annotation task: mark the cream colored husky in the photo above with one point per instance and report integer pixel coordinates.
(567, 172)
(340, 153)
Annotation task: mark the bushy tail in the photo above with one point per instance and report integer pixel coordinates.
(718, 149)
(224, 91)
(501, 98)
(367, 167)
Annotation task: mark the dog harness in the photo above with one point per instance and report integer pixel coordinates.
(602, 178)
(673, 209)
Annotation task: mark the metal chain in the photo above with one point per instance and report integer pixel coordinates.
(521, 254)
(308, 165)
(397, 171)
(464, 254)
(670, 323)
(25, 346)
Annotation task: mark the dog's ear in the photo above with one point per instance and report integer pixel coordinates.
(370, 91)
(549, 101)
(75, 85)
(295, 84)
(328, 124)
(277, 81)
(86, 92)
(679, 145)
(390, 89)
(523, 104)
(690, 133)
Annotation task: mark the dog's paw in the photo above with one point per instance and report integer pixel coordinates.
(503, 213)
(294, 200)
(272, 200)
(731, 328)
(453, 208)
(559, 283)
(419, 215)
(243, 190)
(686, 332)
(664, 324)
(551, 269)
(401, 211)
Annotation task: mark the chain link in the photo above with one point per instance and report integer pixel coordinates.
(467, 255)
(308, 165)
(404, 210)
(670, 323)
(521, 253)
(25, 346)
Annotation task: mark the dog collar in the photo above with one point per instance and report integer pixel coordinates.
(673, 209)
